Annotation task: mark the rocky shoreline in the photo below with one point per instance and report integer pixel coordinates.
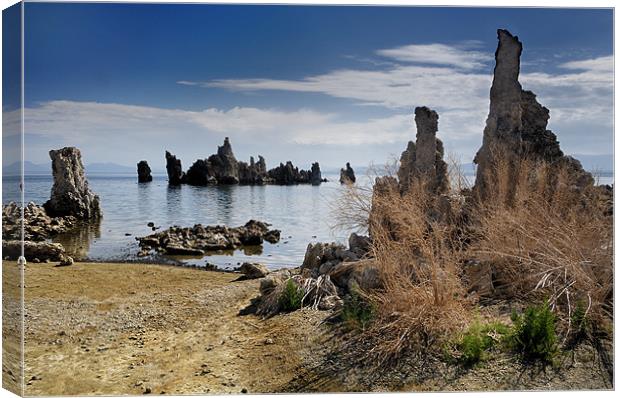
(200, 240)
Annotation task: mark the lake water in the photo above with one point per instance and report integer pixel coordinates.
(301, 212)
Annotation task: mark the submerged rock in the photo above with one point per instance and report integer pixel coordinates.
(70, 194)
(347, 175)
(199, 239)
(144, 172)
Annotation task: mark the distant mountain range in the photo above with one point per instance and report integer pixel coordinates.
(31, 168)
(596, 163)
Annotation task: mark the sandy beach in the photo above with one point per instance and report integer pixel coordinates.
(134, 328)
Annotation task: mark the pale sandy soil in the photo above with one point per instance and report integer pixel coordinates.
(110, 329)
(134, 328)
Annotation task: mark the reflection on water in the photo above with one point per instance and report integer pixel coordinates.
(78, 240)
(301, 212)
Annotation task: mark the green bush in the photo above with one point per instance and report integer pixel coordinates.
(357, 313)
(579, 321)
(534, 333)
(291, 297)
(478, 339)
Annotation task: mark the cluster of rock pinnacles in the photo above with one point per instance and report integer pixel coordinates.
(516, 127)
(224, 169)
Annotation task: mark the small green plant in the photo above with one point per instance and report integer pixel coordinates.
(534, 333)
(291, 297)
(478, 339)
(357, 313)
(579, 321)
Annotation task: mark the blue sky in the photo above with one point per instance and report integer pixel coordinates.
(125, 81)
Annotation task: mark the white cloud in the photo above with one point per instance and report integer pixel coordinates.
(460, 57)
(86, 121)
(601, 64)
(579, 98)
(583, 94)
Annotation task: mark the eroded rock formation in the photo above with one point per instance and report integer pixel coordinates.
(199, 239)
(33, 251)
(38, 225)
(345, 267)
(315, 174)
(223, 168)
(70, 194)
(423, 160)
(253, 173)
(223, 165)
(287, 174)
(516, 127)
(347, 175)
(144, 172)
(200, 173)
(174, 169)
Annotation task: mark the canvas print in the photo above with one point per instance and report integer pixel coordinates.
(244, 199)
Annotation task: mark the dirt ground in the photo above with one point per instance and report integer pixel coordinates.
(110, 329)
(134, 329)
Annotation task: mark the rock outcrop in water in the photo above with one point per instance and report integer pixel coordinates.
(223, 168)
(200, 173)
(223, 165)
(144, 172)
(199, 239)
(176, 176)
(424, 158)
(253, 173)
(516, 127)
(38, 225)
(71, 195)
(287, 174)
(347, 175)
(315, 174)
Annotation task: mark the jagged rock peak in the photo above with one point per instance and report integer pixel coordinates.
(347, 175)
(224, 165)
(424, 158)
(174, 169)
(315, 174)
(70, 194)
(516, 126)
(144, 172)
(225, 149)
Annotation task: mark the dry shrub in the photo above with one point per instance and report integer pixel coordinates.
(547, 239)
(422, 301)
(294, 293)
(353, 208)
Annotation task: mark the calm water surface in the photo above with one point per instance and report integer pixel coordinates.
(301, 212)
